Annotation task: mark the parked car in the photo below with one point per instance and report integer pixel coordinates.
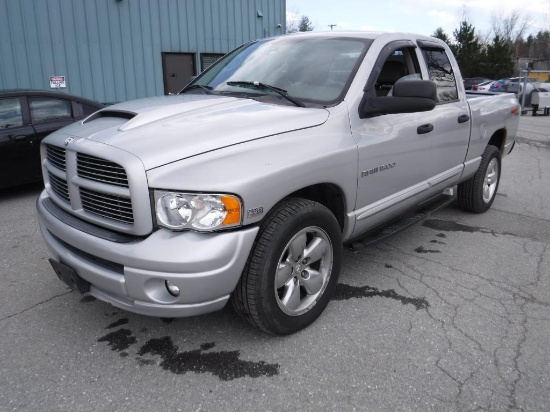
(26, 117)
(483, 87)
(515, 85)
(499, 85)
(472, 81)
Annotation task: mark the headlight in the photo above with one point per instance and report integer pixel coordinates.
(179, 211)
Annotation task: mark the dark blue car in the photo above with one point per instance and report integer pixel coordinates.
(26, 117)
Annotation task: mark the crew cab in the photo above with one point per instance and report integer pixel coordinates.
(245, 186)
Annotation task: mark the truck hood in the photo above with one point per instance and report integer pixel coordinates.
(165, 129)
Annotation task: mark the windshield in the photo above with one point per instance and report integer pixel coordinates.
(316, 70)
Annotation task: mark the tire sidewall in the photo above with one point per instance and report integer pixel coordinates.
(315, 215)
(492, 153)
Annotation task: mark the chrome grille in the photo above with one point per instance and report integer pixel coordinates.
(59, 187)
(56, 156)
(106, 205)
(101, 170)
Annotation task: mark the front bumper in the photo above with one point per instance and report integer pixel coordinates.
(205, 266)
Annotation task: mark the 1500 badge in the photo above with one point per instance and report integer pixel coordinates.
(380, 168)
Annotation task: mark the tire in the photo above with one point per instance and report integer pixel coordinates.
(478, 193)
(292, 269)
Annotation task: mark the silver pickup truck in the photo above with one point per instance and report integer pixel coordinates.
(245, 185)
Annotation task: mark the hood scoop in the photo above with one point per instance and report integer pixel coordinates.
(118, 114)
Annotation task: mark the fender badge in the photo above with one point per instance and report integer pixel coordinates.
(256, 211)
(68, 140)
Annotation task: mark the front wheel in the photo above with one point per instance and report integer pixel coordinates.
(478, 193)
(293, 268)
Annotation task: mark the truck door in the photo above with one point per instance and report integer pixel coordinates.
(449, 142)
(394, 149)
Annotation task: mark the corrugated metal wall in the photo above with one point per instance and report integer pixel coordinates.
(110, 50)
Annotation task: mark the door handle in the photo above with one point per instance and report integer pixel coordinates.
(20, 138)
(425, 128)
(463, 118)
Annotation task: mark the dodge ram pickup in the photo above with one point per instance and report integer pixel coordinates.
(244, 186)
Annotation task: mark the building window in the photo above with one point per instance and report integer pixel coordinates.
(208, 59)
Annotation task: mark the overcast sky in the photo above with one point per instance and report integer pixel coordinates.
(416, 16)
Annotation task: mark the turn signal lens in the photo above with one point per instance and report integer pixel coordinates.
(233, 207)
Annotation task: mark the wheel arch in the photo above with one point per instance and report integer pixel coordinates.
(329, 195)
(498, 139)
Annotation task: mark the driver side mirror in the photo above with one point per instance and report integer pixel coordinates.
(409, 96)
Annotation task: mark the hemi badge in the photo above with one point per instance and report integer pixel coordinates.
(255, 211)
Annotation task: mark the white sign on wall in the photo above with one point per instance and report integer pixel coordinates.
(57, 82)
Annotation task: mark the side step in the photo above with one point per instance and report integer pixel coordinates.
(401, 222)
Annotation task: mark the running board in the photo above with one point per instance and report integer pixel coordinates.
(400, 223)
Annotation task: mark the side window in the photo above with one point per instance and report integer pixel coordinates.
(441, 73)
(401, 64)
(10, 113)
(45, 109)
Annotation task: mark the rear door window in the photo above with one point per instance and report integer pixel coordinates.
(49, 110)
(10, 113)
(441, 73)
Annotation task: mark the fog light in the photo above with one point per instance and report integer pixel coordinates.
(171, 288)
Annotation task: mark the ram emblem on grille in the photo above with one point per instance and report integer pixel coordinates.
(68, 140)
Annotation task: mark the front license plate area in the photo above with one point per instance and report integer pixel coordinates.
(69, 276)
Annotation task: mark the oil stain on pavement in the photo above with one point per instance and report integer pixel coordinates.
(119, 340)
(226, 365)
(345, 292)
(420, 249)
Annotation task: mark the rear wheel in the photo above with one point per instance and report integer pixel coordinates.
(478, 193)
(292, 269)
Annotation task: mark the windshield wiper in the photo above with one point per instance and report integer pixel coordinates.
(258, 85)
(206, 89)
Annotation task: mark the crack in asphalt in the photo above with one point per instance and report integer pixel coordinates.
(482, 294)
(538, 144)
(35, 305)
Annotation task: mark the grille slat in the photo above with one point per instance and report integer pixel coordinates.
(94, 175)
(101, 170)
(97, 201)
(56, 156)
(59, 187)
(106, 205)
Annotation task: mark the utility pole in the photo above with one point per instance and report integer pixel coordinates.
(332, 26)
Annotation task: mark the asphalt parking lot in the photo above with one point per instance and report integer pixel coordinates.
(451, 315)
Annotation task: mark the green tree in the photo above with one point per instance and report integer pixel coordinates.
(305, 24)
(294, 25)
(499, 56)
(469, 51)
(440, 34)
